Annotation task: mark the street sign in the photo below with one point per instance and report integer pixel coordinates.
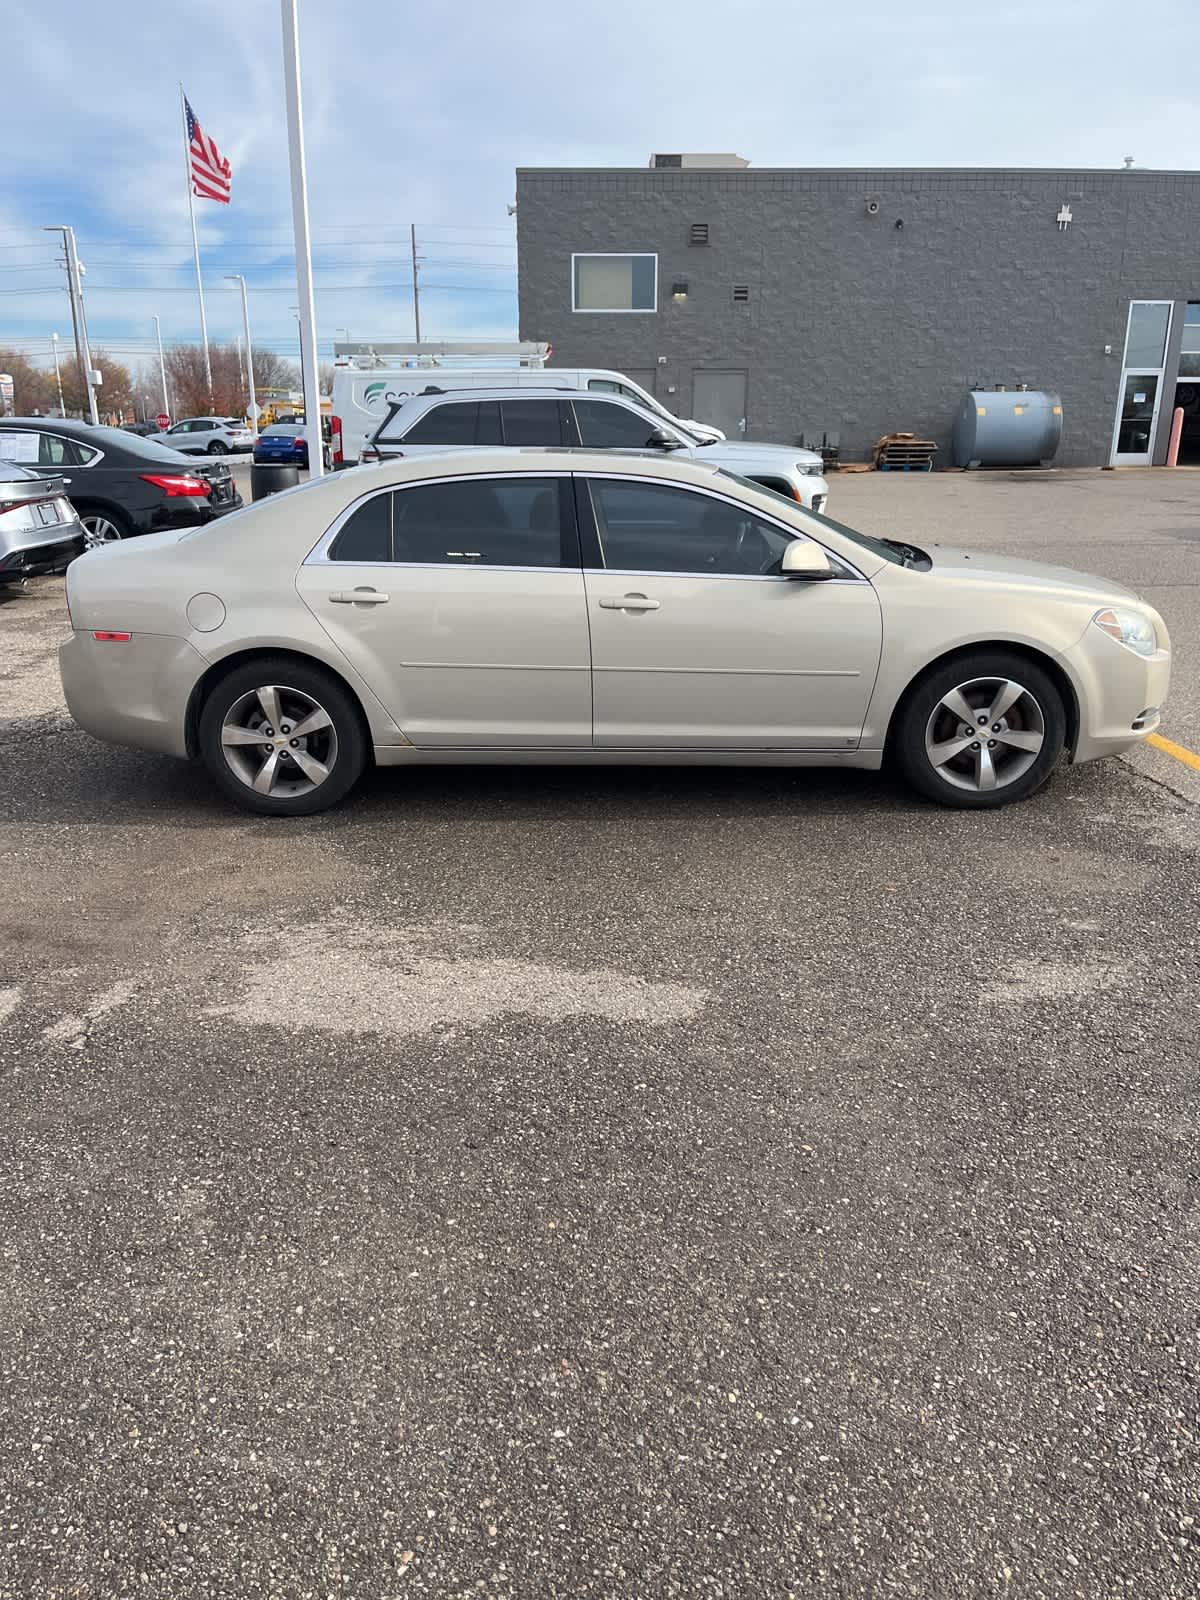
(162, 421)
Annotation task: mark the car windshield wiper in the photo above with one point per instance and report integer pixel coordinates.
(908, 556)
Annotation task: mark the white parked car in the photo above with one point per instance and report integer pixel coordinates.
(363, 395)
(210, 436)
(575, 606)
(447, 418)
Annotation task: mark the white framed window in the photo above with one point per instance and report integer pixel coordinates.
(614, 282)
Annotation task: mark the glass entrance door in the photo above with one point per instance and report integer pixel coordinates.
(1141, 382)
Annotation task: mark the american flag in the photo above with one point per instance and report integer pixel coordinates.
(211, 173)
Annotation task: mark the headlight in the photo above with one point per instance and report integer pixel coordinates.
(1128, 628)
(810, 469)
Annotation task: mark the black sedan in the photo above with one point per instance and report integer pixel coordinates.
(119, 484)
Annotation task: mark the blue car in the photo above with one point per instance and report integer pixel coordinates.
(282, 442)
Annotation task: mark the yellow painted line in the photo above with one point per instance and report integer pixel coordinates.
(1188, 757)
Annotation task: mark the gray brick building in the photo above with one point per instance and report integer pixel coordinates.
(850, 303)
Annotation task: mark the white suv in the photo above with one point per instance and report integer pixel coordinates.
(441, 419)
(211, 436)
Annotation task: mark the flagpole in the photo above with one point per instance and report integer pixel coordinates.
(304, 283)
(187, 167)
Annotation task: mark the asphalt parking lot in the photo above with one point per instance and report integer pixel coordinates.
(615, 1183)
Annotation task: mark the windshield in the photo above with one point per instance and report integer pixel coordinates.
(863, 540)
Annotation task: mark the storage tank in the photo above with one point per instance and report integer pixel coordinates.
(1007, 428)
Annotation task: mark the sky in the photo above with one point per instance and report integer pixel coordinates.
(418, 111)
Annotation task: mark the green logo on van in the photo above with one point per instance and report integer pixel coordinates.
(373, 395)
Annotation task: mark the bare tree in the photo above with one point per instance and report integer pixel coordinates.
(272, 371)
(114, 398)
(34, 391)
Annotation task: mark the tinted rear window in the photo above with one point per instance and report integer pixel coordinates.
(366, 535)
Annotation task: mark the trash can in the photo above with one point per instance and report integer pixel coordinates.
(268, 479)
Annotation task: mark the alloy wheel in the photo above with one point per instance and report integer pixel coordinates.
(985, 734)
(279, 741)
(98, 530)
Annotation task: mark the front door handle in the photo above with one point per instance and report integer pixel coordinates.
(630, 602)
(359, 597)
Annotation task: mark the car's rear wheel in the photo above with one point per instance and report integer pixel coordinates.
(102, 527)
(216, 448)
(982, 731)
(282, 738)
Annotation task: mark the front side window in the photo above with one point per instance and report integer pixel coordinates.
(532, 422)
(648, 527)
(614, 283)
(481, 522)
(605, 426)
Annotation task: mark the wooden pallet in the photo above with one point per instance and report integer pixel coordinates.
(904, 452)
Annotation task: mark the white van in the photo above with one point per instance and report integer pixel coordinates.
(361, 395)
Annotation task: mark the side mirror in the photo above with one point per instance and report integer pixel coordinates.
(661, 440)
(804, 559)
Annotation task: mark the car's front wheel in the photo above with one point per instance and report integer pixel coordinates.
(282, 737)
(984, 730)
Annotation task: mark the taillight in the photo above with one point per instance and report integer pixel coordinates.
(174, 484)
(335, 437)
(299, 444)
(369, 453)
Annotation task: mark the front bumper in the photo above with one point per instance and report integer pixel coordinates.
(131, 693)
(1120, 693)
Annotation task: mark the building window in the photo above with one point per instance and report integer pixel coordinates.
(1189, 351)
(614, 283)
(1146, 338)
(741, 293)
(699, 233)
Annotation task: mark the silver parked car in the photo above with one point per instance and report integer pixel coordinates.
(443, 418)
(39, 530)
(209, 436)
(559, 606)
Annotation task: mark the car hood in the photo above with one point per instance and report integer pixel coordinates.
(736, 451)
(974, 565)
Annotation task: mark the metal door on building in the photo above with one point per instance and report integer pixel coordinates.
(719, 398)
(1142, 372)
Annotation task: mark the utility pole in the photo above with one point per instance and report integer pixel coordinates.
(62, 410)
(236, 277)
(416, 288)
(303, 248)
(78, 319)
(162, 367)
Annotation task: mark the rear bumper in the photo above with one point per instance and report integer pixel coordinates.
(133, 693)
(33, 560)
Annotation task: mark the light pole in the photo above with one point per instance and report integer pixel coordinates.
(62, 410)
(236, 277)
(78, 320)
(162, 369)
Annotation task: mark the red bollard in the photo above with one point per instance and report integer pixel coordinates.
(1176, 435)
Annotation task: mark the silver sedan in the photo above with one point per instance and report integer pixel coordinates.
(553, 606)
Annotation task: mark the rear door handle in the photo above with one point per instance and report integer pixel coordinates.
(359, 597)
(630, 602)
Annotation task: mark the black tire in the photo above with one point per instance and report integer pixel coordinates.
(308, 680)
(216, 448)
(1041, 699)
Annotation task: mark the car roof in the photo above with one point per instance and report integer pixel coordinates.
(67, 425)
(480, 460)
